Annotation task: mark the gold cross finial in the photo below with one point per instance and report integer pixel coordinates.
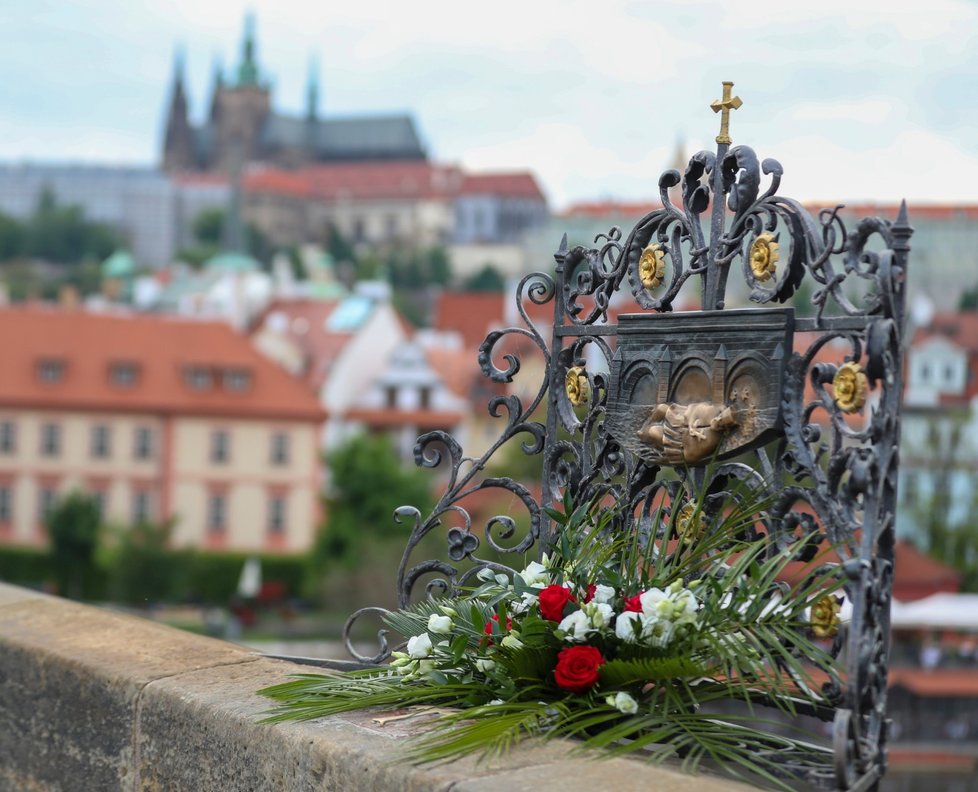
(724, 106)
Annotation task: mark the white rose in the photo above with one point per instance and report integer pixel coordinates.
(441, 625)
(623, 703)
(657, 633)
(419, 646)
(603, 595)
(484, 665)
(536, 575)
(576, 626)
(628, 626)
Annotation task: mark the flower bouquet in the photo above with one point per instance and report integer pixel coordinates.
(628, 644)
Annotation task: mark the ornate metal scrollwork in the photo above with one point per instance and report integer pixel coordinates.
(806, 407)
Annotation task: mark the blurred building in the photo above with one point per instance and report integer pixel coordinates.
(241, 125)
(939, 444)
(151, 211)
(160, 419)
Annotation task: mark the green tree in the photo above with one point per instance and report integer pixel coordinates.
(488, 279)
(62, 234)
(339, 247)
(208, 231)
(73, 528)
(143, 569)
(369, 482)
(969, 299)
(12, 234)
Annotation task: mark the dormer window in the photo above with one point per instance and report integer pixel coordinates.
(237, 379)
(124, 374)
(51, 370)
(198, 377)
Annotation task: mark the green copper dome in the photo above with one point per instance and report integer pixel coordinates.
(232, 262)
(119, 265)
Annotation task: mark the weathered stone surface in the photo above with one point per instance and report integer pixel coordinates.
(94, 700)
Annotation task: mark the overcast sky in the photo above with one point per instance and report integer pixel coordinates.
(858, 100)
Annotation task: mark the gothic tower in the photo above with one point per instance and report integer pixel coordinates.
(240, 110)
(178, 141)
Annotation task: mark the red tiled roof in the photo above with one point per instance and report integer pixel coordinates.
(305, 326)
(941, 683)
(89, 343)
(960, 329)
(405, 180)
(387, 417)
(606, 208)
(458, 368)
(474, 314)
(921, 211)
(274, 180)
(510, 185)
(915, 574)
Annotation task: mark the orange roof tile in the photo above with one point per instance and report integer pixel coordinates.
(405, 180)
(939, 683)
(88, 344)
(521, 184)
(274, 180)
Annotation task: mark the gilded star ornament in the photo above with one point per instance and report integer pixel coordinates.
(689, 523)
(576, 385)
(652, 266)
(849, 385)
(825, 617)
(764, 256)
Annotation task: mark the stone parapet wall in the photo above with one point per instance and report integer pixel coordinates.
(95, 700)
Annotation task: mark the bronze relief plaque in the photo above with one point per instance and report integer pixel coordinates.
(689, 388)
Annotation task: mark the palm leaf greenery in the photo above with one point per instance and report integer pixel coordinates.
(625, 642)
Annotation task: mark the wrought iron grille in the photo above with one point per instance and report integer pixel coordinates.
(823, 394)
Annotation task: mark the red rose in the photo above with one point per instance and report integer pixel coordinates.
(591, 588)
(495, 618)
(577, 668)
(634, 604)
(553, 600)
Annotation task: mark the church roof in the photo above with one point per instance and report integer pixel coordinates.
(367, 137)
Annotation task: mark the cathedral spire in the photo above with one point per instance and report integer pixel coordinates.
(312, 90)
(248, 68)
(177, 138)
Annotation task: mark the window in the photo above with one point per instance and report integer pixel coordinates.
(50, 439)
(51, 370)
(8, 437)
(219, 446)
(100, 441)
(124, 374)
(237, 379)
(949, 372)
(391, 225)
(359, 229)
(276, 515)
(142, 507)
(280, 448)
(911, 488)
(197, 377)
(216, 508)
(424, 397)
(144, 443)
(6, 514)
(49, 495)
(391, 395)
(924, 372)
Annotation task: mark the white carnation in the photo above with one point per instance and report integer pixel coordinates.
(440, 625)
(536, 575)
(625, 626)
(603, 595)
(651, 601)
(576, 626)
(419, 646)
(623, 703)
(599, 614)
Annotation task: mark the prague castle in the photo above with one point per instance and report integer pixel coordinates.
(242, 126)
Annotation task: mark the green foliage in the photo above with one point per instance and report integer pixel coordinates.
(56, 233)
(339, 247)
(208, 231)
(968, 301)
(369, 482)
(142, 568)
(745, 636)
(26, 566)
(73, 528)
(488, 279)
